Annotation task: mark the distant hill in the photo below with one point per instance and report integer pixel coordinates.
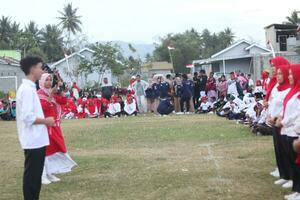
(141, 49)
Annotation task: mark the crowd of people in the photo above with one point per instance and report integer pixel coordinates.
(270, 106)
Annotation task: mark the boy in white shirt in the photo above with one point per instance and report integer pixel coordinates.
(31, 124)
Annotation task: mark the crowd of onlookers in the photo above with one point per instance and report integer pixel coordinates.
(234, 97)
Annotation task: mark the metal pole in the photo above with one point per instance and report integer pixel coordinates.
(171, 59)
(224, 67)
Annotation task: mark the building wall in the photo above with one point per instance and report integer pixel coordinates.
(8, 84)
(242, 65)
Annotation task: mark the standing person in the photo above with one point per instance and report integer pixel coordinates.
(75, 90)
(275, 107)
(232, 85)
(177, 93)
(32, 130)
(57, 159)
(140, 87)
(250, 82)
(106, 89)
(196, 97)
(222, 86)
(287, 123)
(211, 88)
(187, 93)
(202, 82)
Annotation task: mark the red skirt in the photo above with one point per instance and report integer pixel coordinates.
(57, 142)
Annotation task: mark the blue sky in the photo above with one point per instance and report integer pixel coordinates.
(145, 21)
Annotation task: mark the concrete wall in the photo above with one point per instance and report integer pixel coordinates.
(7, 84)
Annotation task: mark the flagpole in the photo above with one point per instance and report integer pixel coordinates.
(171, 59)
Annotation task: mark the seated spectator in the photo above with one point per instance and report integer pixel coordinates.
(114, 107)
(130, 106)
(205, 106)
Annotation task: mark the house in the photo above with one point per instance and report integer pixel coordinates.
(11, 74)
(163, 68)
(237, 57)
(283, 37)
(68, 69)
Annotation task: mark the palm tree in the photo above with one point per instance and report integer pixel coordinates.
(70, 21)
(32, 28)
(52, 42)
(5, 28)
(229, 35)
(293, 19)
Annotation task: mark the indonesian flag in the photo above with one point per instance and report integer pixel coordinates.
(298, 28)
(189, 66)
(170, 48)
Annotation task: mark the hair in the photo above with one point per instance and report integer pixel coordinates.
(184, 76)
(231, 73)
(202, 71)
(138, 75)
(28, 62)
(195, 73)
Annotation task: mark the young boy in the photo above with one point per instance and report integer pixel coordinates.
(31, 124)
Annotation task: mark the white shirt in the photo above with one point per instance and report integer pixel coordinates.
(232, 88)
(130, 108)
(291, 115)
(205, 106)
(276, 103)
(31, 136)
(114, 108)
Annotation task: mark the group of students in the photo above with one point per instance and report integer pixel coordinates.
(273, 108)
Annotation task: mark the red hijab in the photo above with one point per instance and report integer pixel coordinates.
(296, 87)
(285, 72)
(276, 62)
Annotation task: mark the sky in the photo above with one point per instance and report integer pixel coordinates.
(141, 21)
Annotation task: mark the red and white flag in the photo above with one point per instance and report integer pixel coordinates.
(189, 66)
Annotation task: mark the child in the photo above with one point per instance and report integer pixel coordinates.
(205, 106)
(130, 106)
(114, 107)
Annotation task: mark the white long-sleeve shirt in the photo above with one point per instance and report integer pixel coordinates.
(130, 108)
(276, 102)
(290, 116)
(31, 136)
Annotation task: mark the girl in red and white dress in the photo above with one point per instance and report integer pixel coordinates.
(57, 159)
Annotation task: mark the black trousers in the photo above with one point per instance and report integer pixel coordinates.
(185, 100)
(33, 169)
(282, 160)
(295, 169)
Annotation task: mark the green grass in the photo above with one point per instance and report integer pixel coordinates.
(152, 158)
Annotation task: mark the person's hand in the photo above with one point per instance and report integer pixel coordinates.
(278, 122)
(271, 121)
(49, 121)
(296, 145)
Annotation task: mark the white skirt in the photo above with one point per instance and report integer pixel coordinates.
(58, 163)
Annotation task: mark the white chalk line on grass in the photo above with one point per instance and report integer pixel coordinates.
(213, 158)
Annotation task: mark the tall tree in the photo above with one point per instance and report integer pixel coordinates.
(52, 42)
(70, 21)
(5, 32)
(107, 56)
(293, 19)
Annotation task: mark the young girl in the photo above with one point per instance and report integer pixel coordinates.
(57, 159)
(130, 106)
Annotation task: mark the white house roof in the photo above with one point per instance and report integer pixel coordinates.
(258, 46)
(78, 53)
(230, 47)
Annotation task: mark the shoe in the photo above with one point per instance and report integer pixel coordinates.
(45, 180)
(275, 173)
(180, 113)
(291, 195)
(53, 178)
(288, 184)
(280, 182)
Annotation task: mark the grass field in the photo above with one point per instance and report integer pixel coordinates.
(175, 157)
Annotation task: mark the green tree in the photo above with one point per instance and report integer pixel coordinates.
(52, 42)
(70, 21)
(293, 19)
(107, 56)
